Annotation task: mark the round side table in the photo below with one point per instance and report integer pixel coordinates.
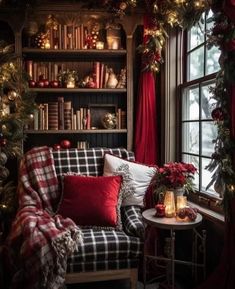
(174, 224)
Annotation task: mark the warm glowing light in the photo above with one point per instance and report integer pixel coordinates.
(180, 2)
(169, 203)
(172, 18)
(47, 44)
(199, 4)
(99, 45)
(71, 84)
(181, 202)
(153, 32)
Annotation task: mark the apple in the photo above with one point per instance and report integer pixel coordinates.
(91, 84)
(32, 83)
(40, 83)
(46, 82)
(65, 144)
(54, 83)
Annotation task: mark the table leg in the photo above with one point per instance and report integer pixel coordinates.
(172, 259)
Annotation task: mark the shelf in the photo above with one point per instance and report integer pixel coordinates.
(82, 131)
(83, 54)
(75, 90)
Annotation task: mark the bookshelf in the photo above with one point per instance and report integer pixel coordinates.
(69, 50)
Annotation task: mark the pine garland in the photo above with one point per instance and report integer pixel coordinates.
(222, 164)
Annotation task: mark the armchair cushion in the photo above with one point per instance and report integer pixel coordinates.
(91, 201)
(105, 250)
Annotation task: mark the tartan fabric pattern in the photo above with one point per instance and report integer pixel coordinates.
(132, 221)
(86, 161)
(104, 250)
(40, 241)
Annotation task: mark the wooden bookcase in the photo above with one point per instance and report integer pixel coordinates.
(80, 59)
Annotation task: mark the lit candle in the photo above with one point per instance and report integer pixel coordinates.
(169, 202)
(47, 44)
(70, 84)
(181, 202)
(99, 45)
(115, 43)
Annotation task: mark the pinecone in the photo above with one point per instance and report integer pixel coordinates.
(40, 40)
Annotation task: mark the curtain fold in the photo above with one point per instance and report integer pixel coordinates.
(146, 120)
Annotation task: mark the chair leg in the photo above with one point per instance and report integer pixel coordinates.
(134, 278)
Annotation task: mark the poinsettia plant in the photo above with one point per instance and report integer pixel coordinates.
(174, 175)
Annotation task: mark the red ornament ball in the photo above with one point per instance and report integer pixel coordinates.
(54, 83)
(32, 83)
(3, 142)
(65, 144)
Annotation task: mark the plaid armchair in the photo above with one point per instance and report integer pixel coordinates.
(104, 254)
(46, 249)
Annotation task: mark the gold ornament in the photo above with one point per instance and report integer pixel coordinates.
(51, 22)
(172, 18)
(12, 95)
(122, 5)
(179, 2)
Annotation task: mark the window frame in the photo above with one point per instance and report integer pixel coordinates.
(202, 198)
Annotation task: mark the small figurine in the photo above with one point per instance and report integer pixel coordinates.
(112, 79)
(122, 79)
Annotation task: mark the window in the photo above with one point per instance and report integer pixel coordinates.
(197, 127)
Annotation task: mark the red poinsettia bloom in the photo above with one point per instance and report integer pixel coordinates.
(175, 175)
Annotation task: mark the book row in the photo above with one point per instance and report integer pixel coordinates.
(60, 115)
(97, 75)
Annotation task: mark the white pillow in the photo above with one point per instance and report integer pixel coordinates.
(136, 178)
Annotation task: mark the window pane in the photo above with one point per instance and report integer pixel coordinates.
(209, 133)
(196, 36)
(191, 104)
(212, 60)
(207, 102)
(195, 161)
(209, 22)
(190, 137)
(196, 63)
(206, 178)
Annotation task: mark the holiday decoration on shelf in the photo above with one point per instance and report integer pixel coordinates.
(16, 107)
(65, 144)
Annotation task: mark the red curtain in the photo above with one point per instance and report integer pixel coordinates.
(146, 120)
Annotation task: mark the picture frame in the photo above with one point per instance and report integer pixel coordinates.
(98, 111)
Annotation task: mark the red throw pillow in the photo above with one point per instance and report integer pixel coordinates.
(91, 201)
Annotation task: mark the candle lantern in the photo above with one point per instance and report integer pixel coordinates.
(169, 202)
(99, 45)
(113, 36)
(70, 83)
(181, 202)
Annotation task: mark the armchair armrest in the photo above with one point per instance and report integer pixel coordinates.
(132, 221)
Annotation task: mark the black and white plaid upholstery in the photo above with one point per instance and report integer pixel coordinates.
(132, 221)
(102, 249)
(86, 161)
